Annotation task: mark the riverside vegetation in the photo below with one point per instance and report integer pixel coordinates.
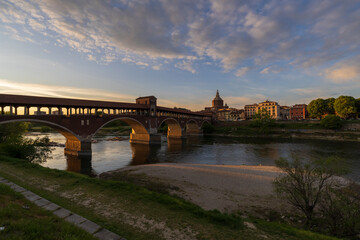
(135, 212)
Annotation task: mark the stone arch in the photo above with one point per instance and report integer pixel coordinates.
(192, 127)
(174, 128)
(74, 144)
(137, 127)
(139, 133)
(205, 121)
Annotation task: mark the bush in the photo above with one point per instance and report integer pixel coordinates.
(305, 181)
(331, 122)
(208, 128)
(340, 211)
(13, 144)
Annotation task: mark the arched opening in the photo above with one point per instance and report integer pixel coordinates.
(76, 151)
(206, 127)
(139, 134)
(192, 127)
(174, 129)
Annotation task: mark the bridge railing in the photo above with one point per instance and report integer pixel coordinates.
(70, 111)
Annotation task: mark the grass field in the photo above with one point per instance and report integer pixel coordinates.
(136, 212)
(22, 219)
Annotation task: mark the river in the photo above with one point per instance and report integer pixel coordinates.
(111, 155)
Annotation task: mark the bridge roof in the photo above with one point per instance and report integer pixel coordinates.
(32, 101)
(181, 111)
(21, 100)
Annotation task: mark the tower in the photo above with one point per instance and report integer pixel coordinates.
(217, 102)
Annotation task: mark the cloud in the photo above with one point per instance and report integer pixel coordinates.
(273, 70)
(186, 65)
(157, 67)
(230, 32)
(10, 87)
(240, 102)
(242, 71)
(346, 71)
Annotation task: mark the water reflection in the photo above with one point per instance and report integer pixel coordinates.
(111, 155)
(79, 164)
(143, 153)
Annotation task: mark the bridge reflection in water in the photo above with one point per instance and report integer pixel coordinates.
(141, 154)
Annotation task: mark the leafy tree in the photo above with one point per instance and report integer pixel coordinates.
(357, 103)
(345, 106)
(14, 144)
(340, 209)
(262, 120)
(331, 122)
(329, 104)
(305, 182)
(317, 108)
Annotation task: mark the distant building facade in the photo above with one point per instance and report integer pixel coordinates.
(273, 108)
(222, 112)
(250, 110)
(284, 113)
(299, 112)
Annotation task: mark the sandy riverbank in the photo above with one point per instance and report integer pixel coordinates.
(227, 188)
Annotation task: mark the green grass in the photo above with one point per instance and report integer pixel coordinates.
(32, 223)
(112, 203)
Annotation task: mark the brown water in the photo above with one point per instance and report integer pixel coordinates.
(111, 155)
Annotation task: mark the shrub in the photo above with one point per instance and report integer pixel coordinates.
(340, 209)
(207, 128)
(304, 182)
(331, 122)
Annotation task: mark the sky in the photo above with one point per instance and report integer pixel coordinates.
(181, 51)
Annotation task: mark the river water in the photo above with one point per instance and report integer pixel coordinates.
(111, 155)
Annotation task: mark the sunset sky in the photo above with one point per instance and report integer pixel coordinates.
(181, 51)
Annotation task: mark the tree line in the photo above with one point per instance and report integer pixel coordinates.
(344, 106)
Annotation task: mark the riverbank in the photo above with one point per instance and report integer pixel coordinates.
(227, 188)
(288, 130)
(135, 212)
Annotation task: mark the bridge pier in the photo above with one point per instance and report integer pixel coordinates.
(76, 147)
(145, 138)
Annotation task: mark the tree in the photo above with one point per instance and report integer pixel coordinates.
(317, 108)
(14, 144)
(340, 209)
(304, 182)
(357, 103)
(331, 122)
(345, 106)
(329, 104)
(262, 120)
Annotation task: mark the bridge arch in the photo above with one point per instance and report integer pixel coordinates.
(137, 127)
(192, 127)
(204, 121)
(74, 144)
(67, 133)
(174, 128)
(139, 134)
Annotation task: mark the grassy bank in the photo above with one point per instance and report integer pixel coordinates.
(32, 222)
(135, 212)
(300, 130)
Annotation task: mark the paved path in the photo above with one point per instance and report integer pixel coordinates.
(65, 214)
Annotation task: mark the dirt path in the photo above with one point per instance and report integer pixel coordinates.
(226, 188)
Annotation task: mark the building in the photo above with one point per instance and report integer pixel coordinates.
(250, 110)
(299, 112)
(284, 112)
(222, 112)
(237, 115)
(273, 108)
